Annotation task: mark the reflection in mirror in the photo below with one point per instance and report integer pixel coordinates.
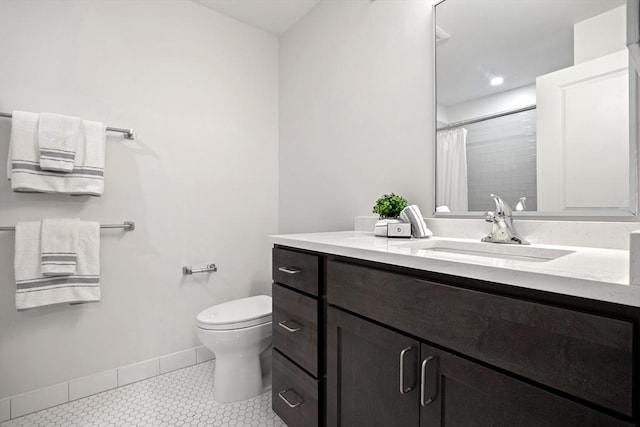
(533, 101)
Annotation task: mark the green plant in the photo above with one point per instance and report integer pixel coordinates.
(389, 205)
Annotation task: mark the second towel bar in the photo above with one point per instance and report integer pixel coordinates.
(128, 133)
(127, 226)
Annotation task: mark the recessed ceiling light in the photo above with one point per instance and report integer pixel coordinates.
(497, 81)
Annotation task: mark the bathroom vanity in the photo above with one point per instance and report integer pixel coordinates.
(371, 331)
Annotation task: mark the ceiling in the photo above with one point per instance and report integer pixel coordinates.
(273, 16)
(517, 39)
(476, 47)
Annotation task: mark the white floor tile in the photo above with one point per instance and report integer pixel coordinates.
(178, 398)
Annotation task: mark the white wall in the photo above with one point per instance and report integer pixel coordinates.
(201, 91)
(600, 35)
(356, 112)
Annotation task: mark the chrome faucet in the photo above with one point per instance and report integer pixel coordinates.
(502, 229)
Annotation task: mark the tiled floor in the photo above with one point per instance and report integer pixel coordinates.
(178, 398)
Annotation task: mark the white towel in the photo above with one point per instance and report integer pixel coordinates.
(26, 175)
(59, 246)
(413, 215)
(35, 290)
(24, 134)
(57, 139)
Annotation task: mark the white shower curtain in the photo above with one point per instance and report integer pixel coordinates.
(451, 165)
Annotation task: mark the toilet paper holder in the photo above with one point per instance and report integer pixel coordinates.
(209, 268)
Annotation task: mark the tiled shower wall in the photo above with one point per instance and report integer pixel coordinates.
(501, 159)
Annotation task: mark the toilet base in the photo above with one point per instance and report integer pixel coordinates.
(238, 373)
(233, 381)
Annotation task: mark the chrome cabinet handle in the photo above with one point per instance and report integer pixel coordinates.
(403, 389)
(423, 385)
(283, 324)
(291, 405)
(289, 270)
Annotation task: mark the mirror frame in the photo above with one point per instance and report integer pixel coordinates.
(631, 214)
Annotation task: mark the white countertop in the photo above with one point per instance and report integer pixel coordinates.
(594, 273)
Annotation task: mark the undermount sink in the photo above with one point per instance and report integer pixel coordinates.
(491, 250)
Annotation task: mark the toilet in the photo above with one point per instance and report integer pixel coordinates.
(239, 334)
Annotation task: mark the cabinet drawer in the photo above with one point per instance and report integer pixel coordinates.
(294, 393)
(296, 269)
(295, 327)
(586, 355)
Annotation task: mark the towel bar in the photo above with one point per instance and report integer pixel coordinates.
(127, 226)
(128, 133)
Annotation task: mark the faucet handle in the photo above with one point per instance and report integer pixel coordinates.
(520, 205)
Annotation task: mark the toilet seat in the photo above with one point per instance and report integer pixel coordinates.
(237, 314)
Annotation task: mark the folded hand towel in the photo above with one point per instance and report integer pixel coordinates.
(26, 175)
(413, 215)
(35, 290)
(59, 246)
(57, 138)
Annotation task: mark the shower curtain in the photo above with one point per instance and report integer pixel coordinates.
(451, 170)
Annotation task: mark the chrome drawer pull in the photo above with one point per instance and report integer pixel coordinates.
(291, 405)
(283, 324)
(423, 386)
(290, 270)
(403, 389)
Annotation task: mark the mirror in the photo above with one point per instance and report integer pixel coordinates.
(533, 100)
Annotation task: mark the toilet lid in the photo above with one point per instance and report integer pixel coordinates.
(240, 313)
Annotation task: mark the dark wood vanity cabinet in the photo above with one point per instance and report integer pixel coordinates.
(403, 347)
(379, 377)
(435, 350)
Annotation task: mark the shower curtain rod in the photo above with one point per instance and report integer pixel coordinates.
(127, 226)
(485, 118)
(128, 133)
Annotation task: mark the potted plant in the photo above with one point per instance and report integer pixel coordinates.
(388, 207)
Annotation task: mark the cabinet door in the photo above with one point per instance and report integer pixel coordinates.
(458, 392)
(372, 374)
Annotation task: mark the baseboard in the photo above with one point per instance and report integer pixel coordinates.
(77, 388)
(5, 410)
